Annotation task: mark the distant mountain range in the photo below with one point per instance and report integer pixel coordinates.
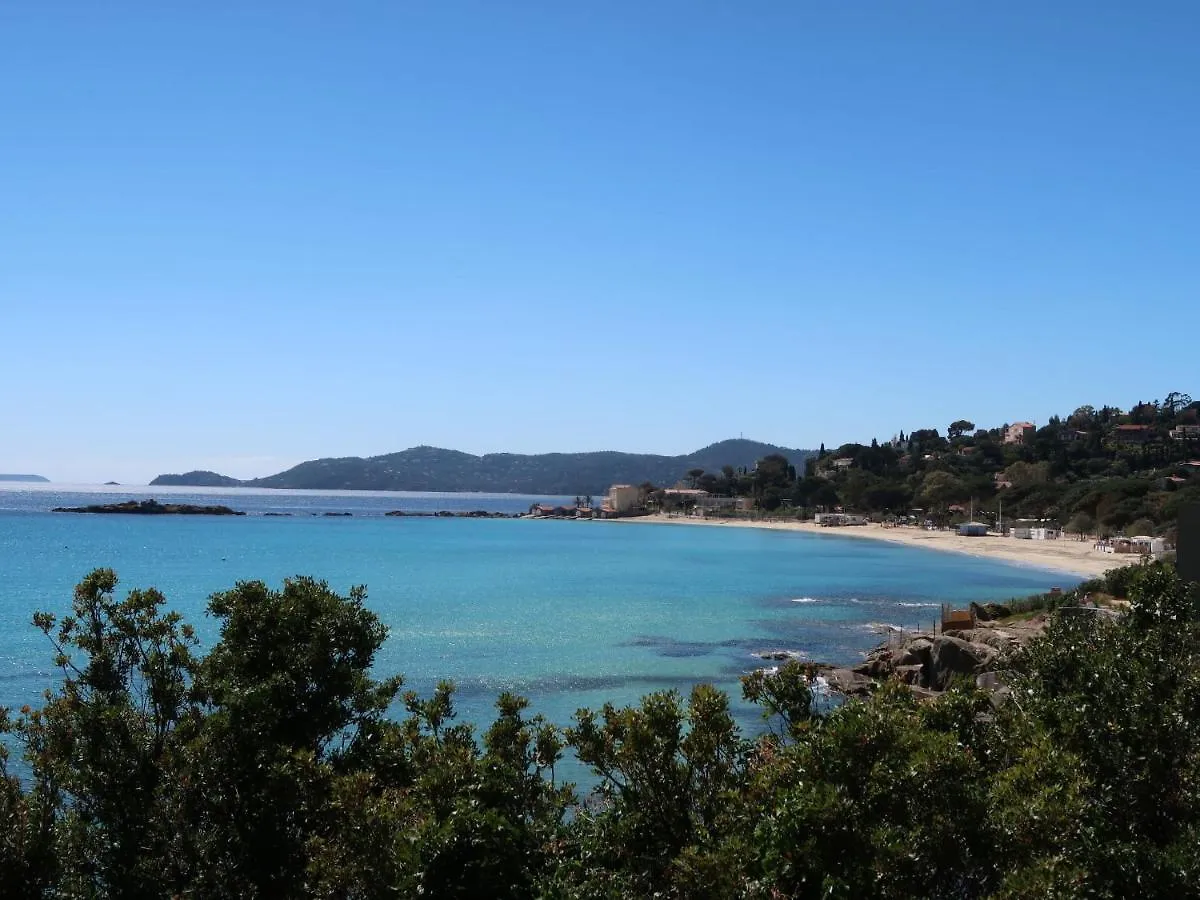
(435, 469)
(4, 477)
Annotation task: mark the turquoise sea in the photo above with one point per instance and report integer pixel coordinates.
(567, 613)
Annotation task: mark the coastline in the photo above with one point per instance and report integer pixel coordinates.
(1063, 555)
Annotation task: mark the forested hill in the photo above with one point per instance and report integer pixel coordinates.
(435, 469)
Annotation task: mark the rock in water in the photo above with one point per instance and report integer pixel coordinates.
(152, 508)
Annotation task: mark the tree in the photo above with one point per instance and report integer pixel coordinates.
(773, 480)
(1139, 527)
(694, 476)
(1176, 402)
(101, 747)
(960, 427)
(941, 489)
(665, 770)
(1081, 524)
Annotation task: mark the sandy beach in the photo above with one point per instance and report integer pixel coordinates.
(1063, 555)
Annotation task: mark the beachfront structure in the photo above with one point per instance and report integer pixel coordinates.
(838, 519)
(1019, 433)
(1034, 530)
(544, 510)
(1142, 545)
(956, 619)
(710, 503)
(973, 529)
(622, 498)
(683, 499)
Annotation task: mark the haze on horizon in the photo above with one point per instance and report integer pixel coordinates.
(236, 239)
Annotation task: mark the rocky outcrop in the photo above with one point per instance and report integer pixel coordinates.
(152, 508)
(448, 514)
(931, 663)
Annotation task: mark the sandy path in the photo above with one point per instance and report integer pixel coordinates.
(1063, 555)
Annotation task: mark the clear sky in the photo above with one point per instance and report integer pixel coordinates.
(237, 236)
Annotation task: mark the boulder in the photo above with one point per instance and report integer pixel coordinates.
(849, 682)
(952, 656)
(915, 653)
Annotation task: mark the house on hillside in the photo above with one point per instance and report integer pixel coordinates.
(1019, 433)
(1133, 434)
(843, 463)
(1071, 435)
(1185, 433)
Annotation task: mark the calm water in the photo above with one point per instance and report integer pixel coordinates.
(567, 613)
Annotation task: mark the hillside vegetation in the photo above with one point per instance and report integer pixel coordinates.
(1095, 471)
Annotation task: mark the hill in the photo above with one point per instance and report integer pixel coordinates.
(23, 478)
(1098, 471)
(436, 469)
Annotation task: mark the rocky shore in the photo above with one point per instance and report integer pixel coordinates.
(152, 508)
(447, 514)
(930, 662)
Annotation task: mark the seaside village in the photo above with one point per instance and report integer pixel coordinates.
(684, 500)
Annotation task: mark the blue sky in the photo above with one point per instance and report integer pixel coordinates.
(240, 238)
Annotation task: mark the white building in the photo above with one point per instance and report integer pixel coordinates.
(837, 519)
(623, 498)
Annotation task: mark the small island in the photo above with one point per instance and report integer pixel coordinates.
(152, 508)
(38, 478)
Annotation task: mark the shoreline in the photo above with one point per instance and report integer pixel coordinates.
(1065, 556)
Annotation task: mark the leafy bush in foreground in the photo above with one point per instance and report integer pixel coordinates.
(270, 767)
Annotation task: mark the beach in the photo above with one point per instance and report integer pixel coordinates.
(1063, 555)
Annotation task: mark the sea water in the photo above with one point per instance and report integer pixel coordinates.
(567, 613)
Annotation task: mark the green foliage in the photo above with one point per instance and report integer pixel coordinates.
(276, 765)
(1073, 471)
(1081, 524)
(785, 695)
